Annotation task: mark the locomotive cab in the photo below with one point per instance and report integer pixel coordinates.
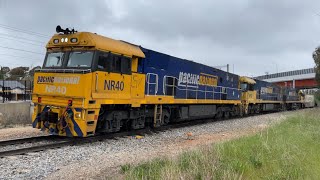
(248, 95)
(247, 87)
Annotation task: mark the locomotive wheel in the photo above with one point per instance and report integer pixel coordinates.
(227, 115)
(219, 114)
(166, 117)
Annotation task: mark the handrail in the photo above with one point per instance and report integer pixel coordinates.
(64, 70)
(151, 83)
(164, 84)
(215, 89)
(96, 82)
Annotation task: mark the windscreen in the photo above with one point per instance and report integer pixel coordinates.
(54, 59)
(80, 59)
(244, 86)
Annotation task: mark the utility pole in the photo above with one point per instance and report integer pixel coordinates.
(223, 66)
(2, 77)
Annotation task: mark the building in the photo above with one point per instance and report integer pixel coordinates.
(12, 90)
(302, 79)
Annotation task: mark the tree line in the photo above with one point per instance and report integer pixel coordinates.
(316, 57)
(17, 73)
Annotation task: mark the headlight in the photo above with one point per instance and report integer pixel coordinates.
(66, 39)
(62, 40)
(74, 40)
(78, 115)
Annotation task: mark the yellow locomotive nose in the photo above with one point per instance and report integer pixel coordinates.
(57, 121)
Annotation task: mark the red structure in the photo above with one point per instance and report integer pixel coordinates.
(304, 78)
(304, 83)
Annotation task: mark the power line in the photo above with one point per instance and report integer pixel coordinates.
(23, 41)
(18, 37)
(40, 60)
(23, 31)
(20, 50)
(25, 57)
(15, 63)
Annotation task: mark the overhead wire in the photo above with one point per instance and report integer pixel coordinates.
(23, 36)
(23, 31)
(23, 41)
(10, 55)
(32, 60)
(19, 37)
(16, 49)
(16, 63)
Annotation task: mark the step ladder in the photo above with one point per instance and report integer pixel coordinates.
(157, 121)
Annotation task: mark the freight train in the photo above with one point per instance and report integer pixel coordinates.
(92, 84)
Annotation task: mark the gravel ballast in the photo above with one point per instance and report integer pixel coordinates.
(101, 159)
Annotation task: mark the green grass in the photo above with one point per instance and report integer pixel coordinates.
(317, 98)
(289, 150)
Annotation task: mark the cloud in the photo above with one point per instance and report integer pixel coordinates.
(254, 36)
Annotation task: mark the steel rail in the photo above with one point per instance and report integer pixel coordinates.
(21, 151)
(28, 140)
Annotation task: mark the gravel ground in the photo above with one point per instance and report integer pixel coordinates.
(102, 159)
(25, 145)
(19, 132)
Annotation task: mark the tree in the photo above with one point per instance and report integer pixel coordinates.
(3, 72)
(31, 72)
(29, 75)
(18, 73)
(316, 57)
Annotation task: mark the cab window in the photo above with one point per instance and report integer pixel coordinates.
(247, 87)
(244, 86)
(125, 65)
(54, 59)
(103, 62)
(81, 59)
(114, 63)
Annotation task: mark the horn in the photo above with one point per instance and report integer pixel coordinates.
(59, 29)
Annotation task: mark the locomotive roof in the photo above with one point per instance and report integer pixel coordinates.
(247, 80)
(87, 39)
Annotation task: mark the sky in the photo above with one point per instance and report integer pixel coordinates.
(253, 36)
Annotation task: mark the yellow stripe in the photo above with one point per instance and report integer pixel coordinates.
(209, 75)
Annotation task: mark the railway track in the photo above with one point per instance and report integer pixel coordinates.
(54, 142)
(58, 141)
(28, 140)
(50, 142)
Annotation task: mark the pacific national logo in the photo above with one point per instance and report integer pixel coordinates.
(58, 80)
(194, 80)
(45, 79)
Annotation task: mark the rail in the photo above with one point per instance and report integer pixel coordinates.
(83, 71)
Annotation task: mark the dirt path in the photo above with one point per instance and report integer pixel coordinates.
(19, 132)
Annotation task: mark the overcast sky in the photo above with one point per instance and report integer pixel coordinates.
(254, 36)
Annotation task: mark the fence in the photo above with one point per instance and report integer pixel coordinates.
(15, 90)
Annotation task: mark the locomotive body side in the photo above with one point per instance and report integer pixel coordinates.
(184, 79)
